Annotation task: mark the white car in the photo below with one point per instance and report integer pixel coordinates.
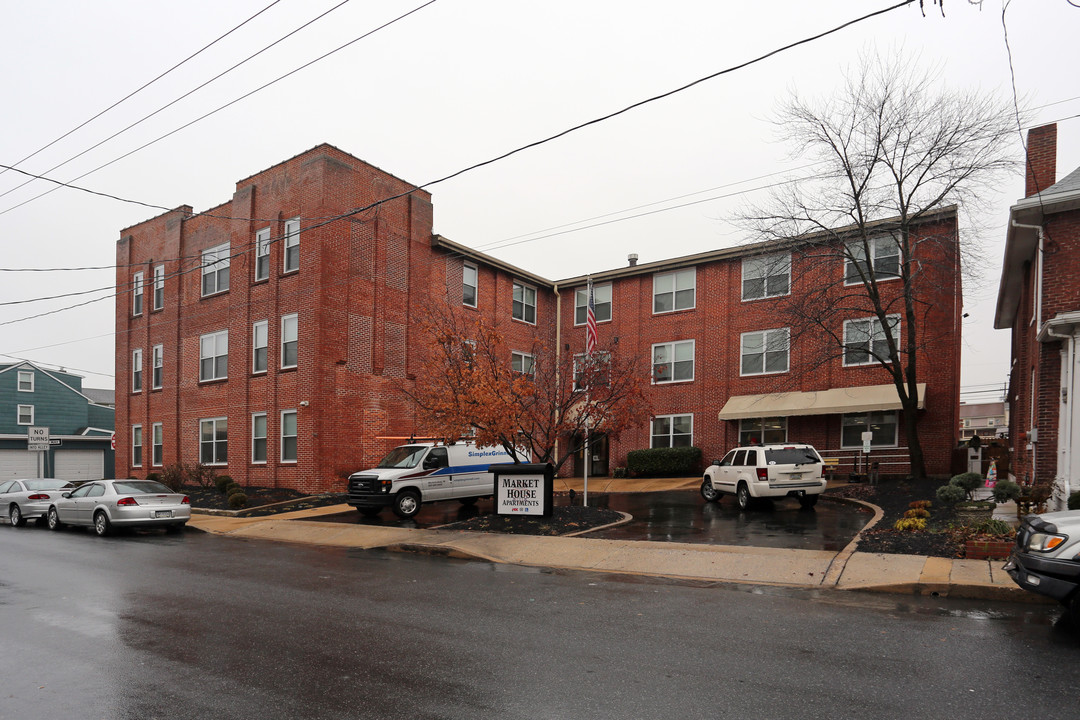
(30, 498)
(104, 504)
(766, 471)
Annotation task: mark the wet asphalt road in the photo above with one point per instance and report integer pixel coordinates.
(679, 516)
(147, 626)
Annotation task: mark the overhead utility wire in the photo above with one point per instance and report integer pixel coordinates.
(185, 95)
(140, 89)
(233, 102)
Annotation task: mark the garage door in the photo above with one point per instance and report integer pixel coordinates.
(18, 464)
(80, 464)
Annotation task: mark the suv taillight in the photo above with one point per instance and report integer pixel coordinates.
(763, 474)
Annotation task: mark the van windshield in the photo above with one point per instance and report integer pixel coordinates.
(790, 456)
(406, 456)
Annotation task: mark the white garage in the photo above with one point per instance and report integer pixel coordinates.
(19, 464)
(79, 464)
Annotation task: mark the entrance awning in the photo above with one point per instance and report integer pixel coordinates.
(824, 402)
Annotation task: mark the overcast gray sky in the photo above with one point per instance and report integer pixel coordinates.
(453, 84)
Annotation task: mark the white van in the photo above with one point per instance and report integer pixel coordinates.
(424, 472)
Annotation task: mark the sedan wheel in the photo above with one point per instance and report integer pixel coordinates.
(102, 526)
(743, 496)
(709, 492)
(16, 516)
(53, 519)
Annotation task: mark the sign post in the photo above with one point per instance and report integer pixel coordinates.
(524, 489)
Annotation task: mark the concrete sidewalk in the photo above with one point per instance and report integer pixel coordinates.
(844, 570)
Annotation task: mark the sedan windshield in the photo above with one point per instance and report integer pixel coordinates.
(406, 456)
(144, 487)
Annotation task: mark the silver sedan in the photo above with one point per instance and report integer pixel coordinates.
(105, 504)
(29, 499)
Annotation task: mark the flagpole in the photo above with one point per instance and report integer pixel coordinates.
(589, 342)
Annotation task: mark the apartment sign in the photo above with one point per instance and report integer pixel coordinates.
(524, 489)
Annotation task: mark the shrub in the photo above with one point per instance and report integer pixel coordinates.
(968, 482)
(664, 462)
(222, 483)
(233, 488)
(995, 527)
(950, 494)
(910, 524)
(1074, 500)
(921, 505)
(174, 476)
(619, 472)
(917, 513)
(237, 500)
(179, 474)
(1006, 490)
(156, 477)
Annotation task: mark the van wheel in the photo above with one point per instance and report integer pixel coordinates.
(742, 496)
(709, 492)
(469, 501)
(808, 501)
(406, 504)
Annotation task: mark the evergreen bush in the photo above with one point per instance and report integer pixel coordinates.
(237, 500)
(664, 462)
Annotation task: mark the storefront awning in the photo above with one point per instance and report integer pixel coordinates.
(825, 402)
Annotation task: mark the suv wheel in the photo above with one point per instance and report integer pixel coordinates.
(709, 492)
(742, 496)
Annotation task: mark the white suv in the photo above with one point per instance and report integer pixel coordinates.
(766, 471)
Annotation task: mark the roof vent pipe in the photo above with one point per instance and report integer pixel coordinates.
(632, 259)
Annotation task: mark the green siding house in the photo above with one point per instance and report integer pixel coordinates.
(79, 423)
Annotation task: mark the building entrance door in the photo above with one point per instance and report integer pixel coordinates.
(598, 454)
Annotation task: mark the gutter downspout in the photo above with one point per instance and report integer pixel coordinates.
(1038, 319)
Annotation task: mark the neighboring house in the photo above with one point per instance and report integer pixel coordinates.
(1039, 299)
(33, 397)
(276, 350)
(987, 420)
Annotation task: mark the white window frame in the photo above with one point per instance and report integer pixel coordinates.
(264, 327)
(767, 269)
(136, 370)
(853, 255)
(262, 254)
(136, 446)
(291, 246)
(137, 294)
(671, 434)
(159, 287)
(218, 352)
(521, 297)
(599, 358)
(24, 377)
(157, 444)
(601, 298)
(290, 335)
(866, 426)
(157, 367)
(672, 349)
(874, 333)
(214, 442)
(772, 341)
(465, 269)
(522, 362)
(255, 438)
(283, 437)
(20, 410)
(215, 262)
(679, 284)
(759, 429)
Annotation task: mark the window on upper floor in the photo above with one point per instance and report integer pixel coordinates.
(291, 253)
(766, 276)
(469, 279)
(765, 352)
(601, 303)
(262, 254)
(159, 287)
(865, 341)
(157, 356)
(214, 441)
(214, 356)
(289, 340)
(137, 293)
(522, 362)
(136, 370)
(672, 431)
(884, 260)
(24, 415)
(524, 307)
(26, 381)
(763, 431)
(288, 436)
(673, 362)
(215, 270)
(675, 291)
(260, 340)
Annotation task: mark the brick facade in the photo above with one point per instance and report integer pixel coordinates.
(361, 286)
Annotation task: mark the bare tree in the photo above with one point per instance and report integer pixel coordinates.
(895, 156)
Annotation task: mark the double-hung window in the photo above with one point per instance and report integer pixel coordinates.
(157, 356)
(215, 270)
(24, 415)
(159, 287)
(214, 441)
(137, 294)
(766, 276)
(288, 436)
(136, 445)
(26, 381)
(291, 253)
(136, 370)
(884, 261)
(157, 444)
(601, 303)
(262, 254)
(673, 361)
(214, 356)
(469, 278)
(866, 342)
(289, 341)
(672, 431)
(675, 291)
(765, 352)
(260, 339)
(522, 362)
(258, 438)
(524, 306)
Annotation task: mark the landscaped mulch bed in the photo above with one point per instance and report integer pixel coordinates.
(261, 501)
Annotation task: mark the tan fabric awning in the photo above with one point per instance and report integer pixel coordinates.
(825, 402)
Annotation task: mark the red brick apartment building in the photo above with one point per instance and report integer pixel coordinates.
(270, 337)
(1039, 299)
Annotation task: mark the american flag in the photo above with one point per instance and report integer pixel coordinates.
(590, 324)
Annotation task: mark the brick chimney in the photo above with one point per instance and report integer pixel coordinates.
(1041, 170)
